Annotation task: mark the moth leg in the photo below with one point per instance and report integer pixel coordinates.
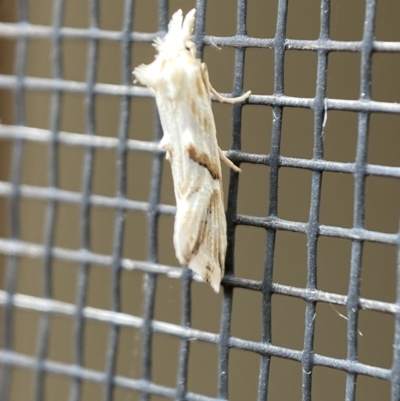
(206, 78)
(227, 161)
(231, 100)
(219, 97)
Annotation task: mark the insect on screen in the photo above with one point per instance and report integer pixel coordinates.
(93, 302)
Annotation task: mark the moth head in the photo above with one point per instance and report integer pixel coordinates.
(179, 36)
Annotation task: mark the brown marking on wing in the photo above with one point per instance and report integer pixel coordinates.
(200, 237)
(186, 191)
(176, 79)
(204, 160)
(199, 86)
(193, 107)
(206, 125)
(221, 260)
(195, 189)
(214, 199)
(202, 119)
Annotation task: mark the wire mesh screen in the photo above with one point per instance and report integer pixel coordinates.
(93, 302)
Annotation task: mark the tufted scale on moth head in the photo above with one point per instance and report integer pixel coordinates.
(179, 35)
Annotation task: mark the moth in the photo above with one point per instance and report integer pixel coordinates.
(183, 91)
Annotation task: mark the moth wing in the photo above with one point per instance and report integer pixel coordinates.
(200, 241)
(209, 259)
(192, 199)
(200, 223)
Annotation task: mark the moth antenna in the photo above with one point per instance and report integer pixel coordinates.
(188, 23)
(175, 25)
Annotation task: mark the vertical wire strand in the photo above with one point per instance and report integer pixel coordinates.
(277, 112)
(121, 194)
(51, 213)
(226, 318)
(151, 278)
(181, 388)
(15, 179)
(199, 28)
(153, 215)
(83, 273)
(359, 196)
(313, 222)
(395, 379)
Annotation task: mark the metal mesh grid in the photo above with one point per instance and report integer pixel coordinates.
(320, 104)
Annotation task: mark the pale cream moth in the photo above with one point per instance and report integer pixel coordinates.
(183, 94)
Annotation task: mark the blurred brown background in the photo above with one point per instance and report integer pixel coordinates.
(290, 268)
